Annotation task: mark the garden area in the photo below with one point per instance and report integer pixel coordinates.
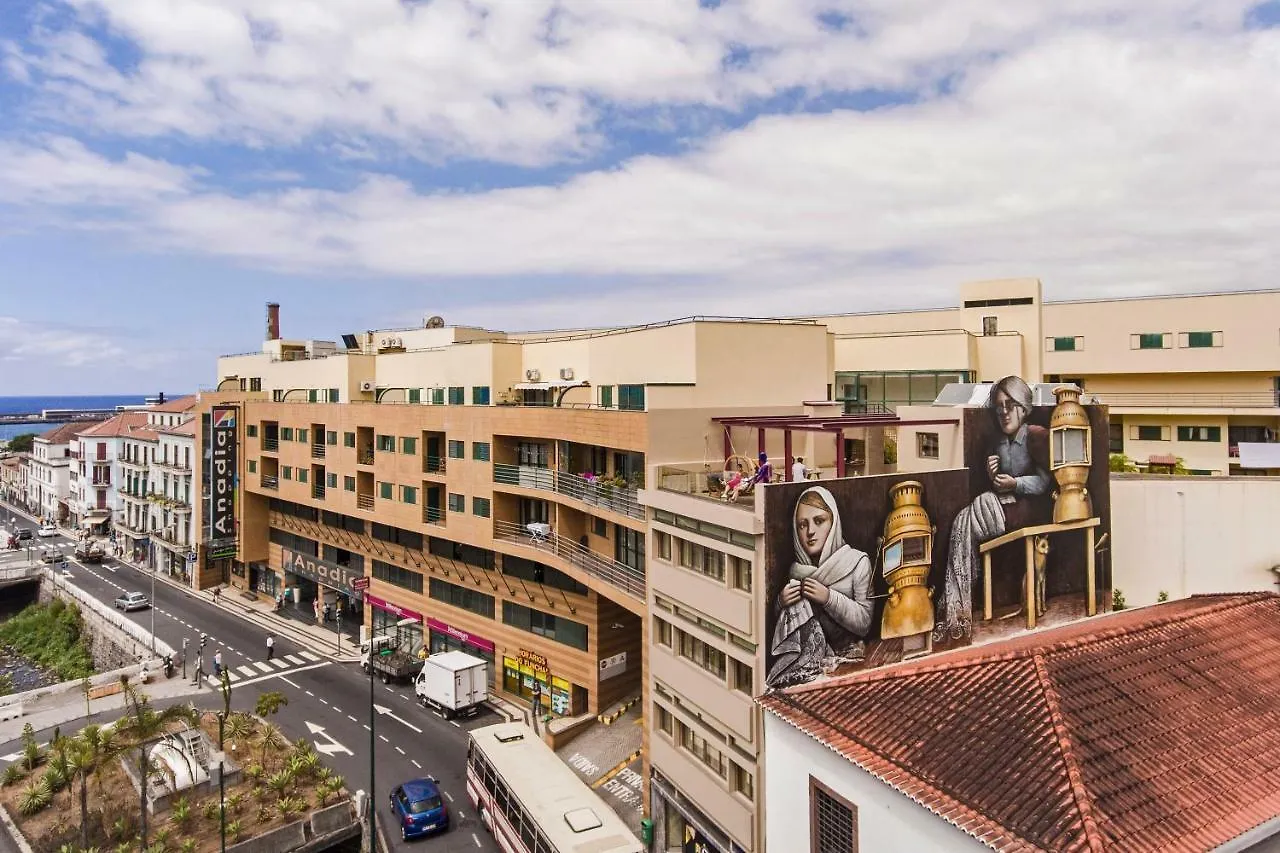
(73, 794)
(43, 644)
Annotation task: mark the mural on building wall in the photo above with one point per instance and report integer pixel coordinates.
(866, 570)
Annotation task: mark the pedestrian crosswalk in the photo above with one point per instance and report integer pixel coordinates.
(261, 668)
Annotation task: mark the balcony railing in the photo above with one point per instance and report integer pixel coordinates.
(271, 445)
(102, 482)
(620, 499)
(317, 450)
(433, 464)
(269, 482)
(175, 465)
(1188, 400)
(173, 539)
(364, 501)
(133, 462)
(433, 515)
(317, 491)
(618, 575)
(702, 482)
(365, 457)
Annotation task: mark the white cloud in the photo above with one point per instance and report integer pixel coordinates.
(56, 347)
(1104, 148)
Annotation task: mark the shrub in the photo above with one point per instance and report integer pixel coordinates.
(34, 797)
(235, 829)
(1117, 600)
(235, 801)
(180, 815)
(210, 810)
(32, 755)
(52, 636)
(1162, 597)
(13, 774)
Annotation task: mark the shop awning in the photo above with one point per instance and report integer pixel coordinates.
(1257, 454)
(95, 516)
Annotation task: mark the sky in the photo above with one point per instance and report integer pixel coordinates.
(168, 166)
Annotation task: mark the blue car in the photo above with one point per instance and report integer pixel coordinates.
(419, 807)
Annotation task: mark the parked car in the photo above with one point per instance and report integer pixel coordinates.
(48, 530)
(419, 808)
(23, 533)
(133, 601)
(52, 557)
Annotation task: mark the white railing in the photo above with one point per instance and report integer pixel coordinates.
(620, 499)
(618, 575)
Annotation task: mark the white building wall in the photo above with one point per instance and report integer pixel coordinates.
(1190, 535)
(888, 822)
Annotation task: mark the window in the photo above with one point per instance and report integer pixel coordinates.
(628, 547)
(701, 559)
(739, 572)
(1200, 433)
(662, 632)
(408, 444)
(697, 745)
(437, 396)
(386, 490)
(331, 480)
(253, 466)
(479, 395)
(519, 567)
(480, 507)
(408, 494)
(456, 395)
(1150, 433)
(1115, 437)
(707, 657)
(556, 628)
(1068, 344)
(302, 475)
(302, 436)
(990, 326)
(666, 724)
(286, 433)
(313, 395)
(1200, 340)
(396, 536)
(742, 782)
(461, 596)
(1149, 340)
(833, 821)
(331, 438)
(457, 449)
(349, 484)
(533, 454)
(480, 451)
(255, 383)
(386, 444)
(277, 395)
(251, 430)
(606, 396)
(286, 473)
(662, 545)
(397, 576)
(631, 398)
(348, 439)
(415, 395)
(743, 677)
(457, 503)
(927, 445)
(333, 395)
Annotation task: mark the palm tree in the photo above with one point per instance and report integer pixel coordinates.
(144, 725)
(92, 749)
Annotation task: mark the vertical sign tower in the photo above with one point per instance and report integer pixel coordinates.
(223, 468)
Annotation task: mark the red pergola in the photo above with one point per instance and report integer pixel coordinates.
(803, 423)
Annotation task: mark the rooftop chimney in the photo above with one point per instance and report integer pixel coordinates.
(273, 321)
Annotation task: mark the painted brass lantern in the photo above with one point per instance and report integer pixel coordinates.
(1070, 438)
(906, 554)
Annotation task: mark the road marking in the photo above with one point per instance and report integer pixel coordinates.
(324, 701)
(247, 682)
(289, 681)
(476, 840)
(331, 746)
(249, 673)
(386, 712)
(312, 695)
(337, 709)
(294, 659)
(384, 738)
(279, 664)
(366, 727)
(399, 750)
(419, 766)
(352, 719)
(309, 655)
(454, 723)
(262, 667)
(446, 793)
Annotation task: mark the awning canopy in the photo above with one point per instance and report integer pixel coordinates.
(97, 515)
(1162, 459)
(1257, 454)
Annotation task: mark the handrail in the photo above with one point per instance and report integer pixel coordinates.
(364, 501)
(434, 515)
(434, 464)
(1193, 399)
(620, 499)
(317, 450)
(271, 445)
(618, 575)
(269, 482)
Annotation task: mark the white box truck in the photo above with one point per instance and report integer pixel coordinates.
(455, 683)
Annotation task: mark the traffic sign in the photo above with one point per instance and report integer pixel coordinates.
(360, 583)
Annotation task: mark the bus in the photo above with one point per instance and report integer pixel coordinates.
(531, 802)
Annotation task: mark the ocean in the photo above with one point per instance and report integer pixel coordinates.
(27, 405)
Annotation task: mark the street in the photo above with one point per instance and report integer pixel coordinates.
(328, 702)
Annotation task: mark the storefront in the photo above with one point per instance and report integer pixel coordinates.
(446, 638)
(519, 674)
(387, 619)
(263, 580)
(313, 582)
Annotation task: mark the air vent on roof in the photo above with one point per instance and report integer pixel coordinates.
(566, 373)
(533, 374)
(435, 322)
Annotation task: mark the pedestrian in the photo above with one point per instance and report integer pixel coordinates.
(271, 646)
(217, 664)
(217, 594)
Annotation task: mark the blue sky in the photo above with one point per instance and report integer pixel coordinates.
(166, 168)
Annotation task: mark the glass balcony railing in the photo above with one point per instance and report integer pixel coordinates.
(604, 494)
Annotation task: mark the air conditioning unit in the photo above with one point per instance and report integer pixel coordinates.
(366, 386)
(533, 374)
(566, 373)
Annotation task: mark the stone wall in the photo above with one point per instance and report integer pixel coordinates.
(115, 641)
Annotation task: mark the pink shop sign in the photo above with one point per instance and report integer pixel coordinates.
(461, 636)
(402, 612)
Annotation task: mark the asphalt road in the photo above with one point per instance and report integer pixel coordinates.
(328, 702)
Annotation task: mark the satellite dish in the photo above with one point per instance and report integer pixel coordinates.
(435, 322)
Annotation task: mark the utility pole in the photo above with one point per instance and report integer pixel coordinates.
(373, 722)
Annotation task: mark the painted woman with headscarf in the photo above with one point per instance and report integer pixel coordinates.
(1017, 469)
(824, 610)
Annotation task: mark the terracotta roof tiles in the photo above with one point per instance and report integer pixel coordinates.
(1149, 729)
(179, 404)
(122, 424)
(63, 433)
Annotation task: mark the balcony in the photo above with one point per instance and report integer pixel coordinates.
(132, 462)
(605, 495)
(618, 575)
(433, 515)
(433, 464)
(171, 539)
(317, 450)
(271, 445)
(174, 466)
(1187, 400)
(700, 482)
(317, 491)
(365, 457)
(101, 482)
(364, 502)
(269, 482)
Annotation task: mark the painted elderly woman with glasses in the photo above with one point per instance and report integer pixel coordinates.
(1017, 467)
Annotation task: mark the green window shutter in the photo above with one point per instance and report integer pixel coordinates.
(385, 491)
(1064, 344)
(415, 395)
(1200, 339)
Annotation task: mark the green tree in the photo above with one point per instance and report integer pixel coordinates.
(1118, 463)
(143, 725)
(94, 748)
(22, 443)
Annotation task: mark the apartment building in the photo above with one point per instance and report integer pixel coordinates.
(488, 485)
(49, 478)
(168, 485)
(1186, 378)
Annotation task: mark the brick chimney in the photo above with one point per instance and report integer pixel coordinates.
(273, 321)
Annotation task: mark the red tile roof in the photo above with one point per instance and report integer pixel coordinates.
(180, 404)
(1150, 729)
(122, 424)
(63, 433)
